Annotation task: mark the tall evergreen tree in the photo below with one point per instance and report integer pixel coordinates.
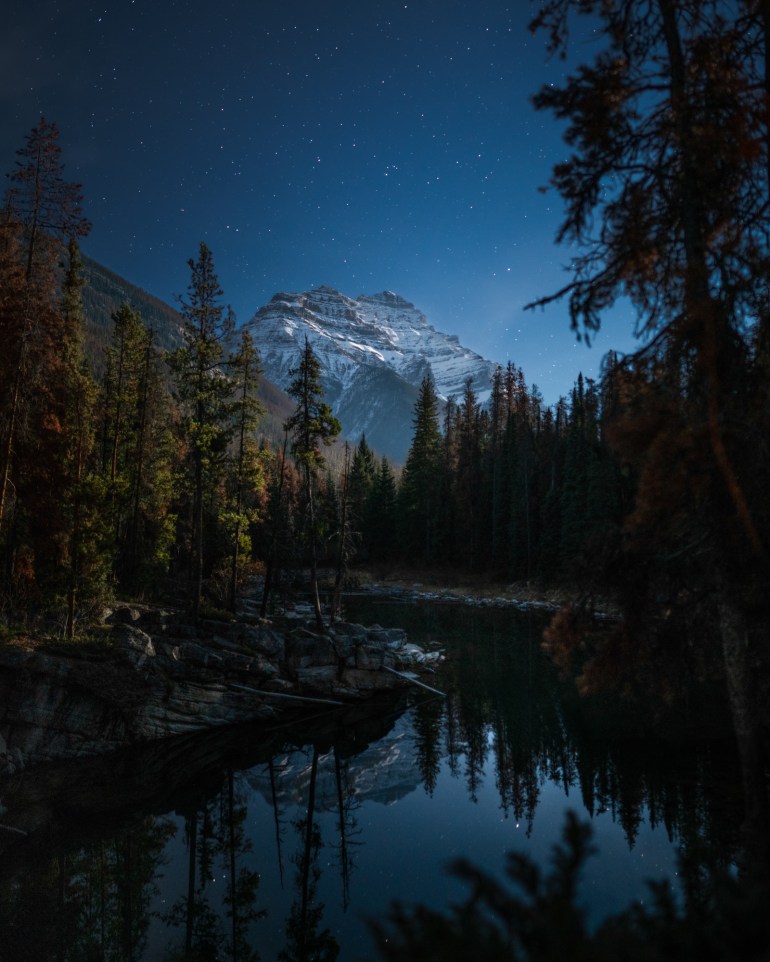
(42, 212)
(138, 453)
(245, 463)
(311, 426)
(362, 473)
(669, 134)
(86, 549)
(382, 514)
(420, 490)
(204, 391)
(468, 479)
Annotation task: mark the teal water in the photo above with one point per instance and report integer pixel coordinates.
(250, 845)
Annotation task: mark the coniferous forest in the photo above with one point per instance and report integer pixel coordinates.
(142, 473)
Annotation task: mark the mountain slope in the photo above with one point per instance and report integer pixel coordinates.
(374, 352)
(104, 292)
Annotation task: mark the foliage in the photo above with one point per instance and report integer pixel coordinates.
(536, 916)
(420, 489)
(311, 425)
(204, 391)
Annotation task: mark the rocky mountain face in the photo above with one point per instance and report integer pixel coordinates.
(374, 352)
(104, 292)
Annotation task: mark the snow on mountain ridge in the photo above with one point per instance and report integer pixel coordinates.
(374, 351)
(384, 327)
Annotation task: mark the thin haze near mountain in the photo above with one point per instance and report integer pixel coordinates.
(368, 147)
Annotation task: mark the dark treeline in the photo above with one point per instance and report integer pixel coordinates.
(139, 470)
(134, 469)
(511, 489)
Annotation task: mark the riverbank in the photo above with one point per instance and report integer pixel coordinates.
(454, 588)
(148, 673)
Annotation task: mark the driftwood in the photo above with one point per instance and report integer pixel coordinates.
(414, 681)
(284, 696)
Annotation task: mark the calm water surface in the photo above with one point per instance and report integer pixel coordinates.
(280, 846)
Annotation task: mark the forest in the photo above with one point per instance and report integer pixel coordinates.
(140, 471)
(647, 489)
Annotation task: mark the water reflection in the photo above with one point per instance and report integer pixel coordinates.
(272, 846)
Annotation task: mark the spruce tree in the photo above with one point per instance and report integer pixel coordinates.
(42, 211)
(245, 466)
(421, 487)
(138, 453)
(382, 514)
(204, 391)
(362, 473)
(86, 551)
(666, 192)
(311, 426)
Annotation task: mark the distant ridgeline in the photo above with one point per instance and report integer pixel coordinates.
(374, 352)
(104, 292)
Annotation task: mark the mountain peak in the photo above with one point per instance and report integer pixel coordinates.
(385, 297)
(374, 351)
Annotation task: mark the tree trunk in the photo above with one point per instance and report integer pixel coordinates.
(343, 538)
(10, 437)
(739, 675)
(319, 621)
(270, 567)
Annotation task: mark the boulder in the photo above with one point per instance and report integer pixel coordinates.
(133, 644)
(369, 657)
(124, 615)
(194, 654)
(304, 649)
(264, 640)
(349, 630)
(320, 678)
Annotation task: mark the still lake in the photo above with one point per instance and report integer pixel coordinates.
(322, 826)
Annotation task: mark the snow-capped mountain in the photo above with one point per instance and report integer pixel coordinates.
(374, 352)
(384, 772)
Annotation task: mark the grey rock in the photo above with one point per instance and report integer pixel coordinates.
(369, 657)
(124, 615)
(305, 650)
(194, 654)
(133, 644)
(350, 630)
(320, 678)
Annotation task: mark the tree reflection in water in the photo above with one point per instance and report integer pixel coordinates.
(216, 841)
(190, 864)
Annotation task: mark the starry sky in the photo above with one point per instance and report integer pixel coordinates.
(364, 144)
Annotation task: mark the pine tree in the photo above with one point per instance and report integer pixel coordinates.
(362, 475)
(138, 453)
(420, 491)
(670, 158)
(468, 479)
(204, 391)
(42, 212)
(81, 495)
(245, 469)
(382, 514)
(311, 425)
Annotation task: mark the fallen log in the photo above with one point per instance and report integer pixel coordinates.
(286, 697)
(414, 681)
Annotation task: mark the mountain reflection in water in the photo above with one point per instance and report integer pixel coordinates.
(248, 845)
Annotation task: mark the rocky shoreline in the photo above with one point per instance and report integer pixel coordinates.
(157, 675)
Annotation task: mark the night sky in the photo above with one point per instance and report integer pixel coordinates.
(365, 144)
